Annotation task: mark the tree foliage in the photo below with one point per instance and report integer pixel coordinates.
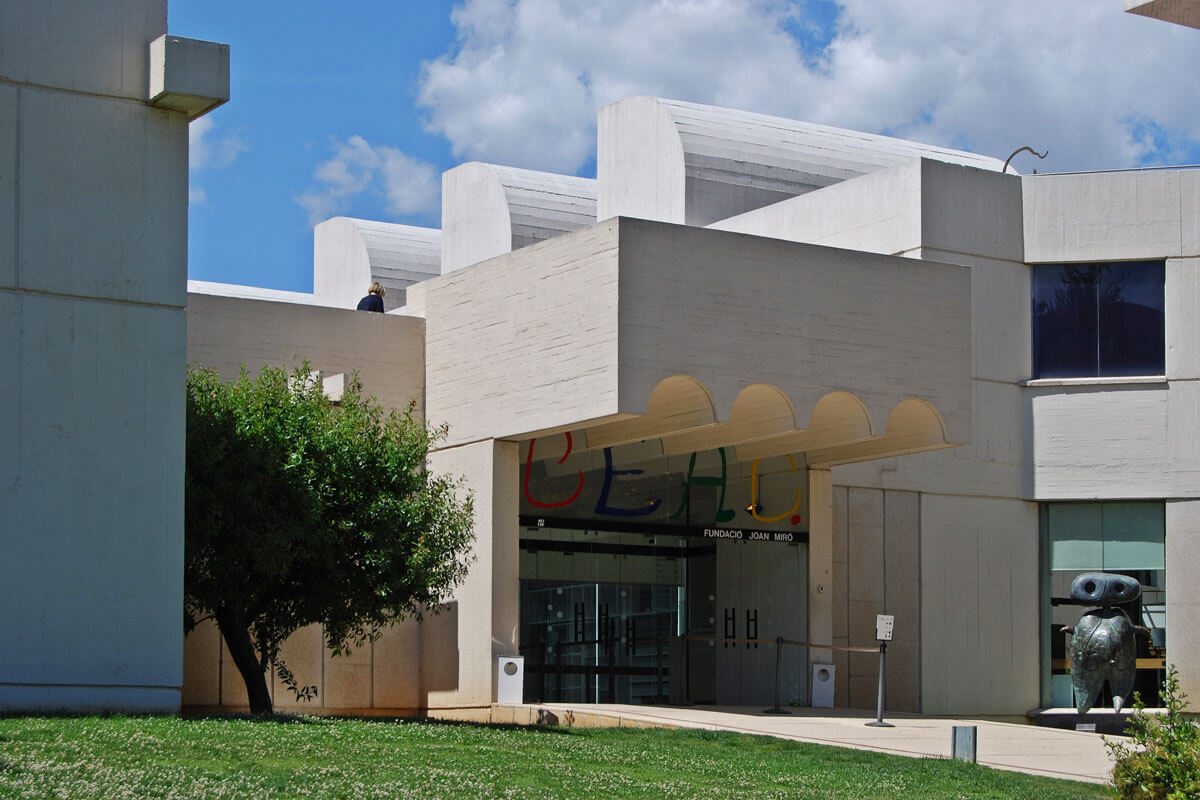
(1162, 759)
(300, 510)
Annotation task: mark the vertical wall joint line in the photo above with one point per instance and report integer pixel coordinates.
(17, 216)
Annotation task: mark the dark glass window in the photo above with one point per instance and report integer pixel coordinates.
(1098, 320)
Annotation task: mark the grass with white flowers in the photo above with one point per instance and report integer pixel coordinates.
(295, 757)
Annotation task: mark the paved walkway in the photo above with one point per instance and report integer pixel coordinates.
(1003, 745)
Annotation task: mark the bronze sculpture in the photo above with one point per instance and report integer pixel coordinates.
(1103, 641)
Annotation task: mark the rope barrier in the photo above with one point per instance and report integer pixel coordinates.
(881, 648)
(813, 645)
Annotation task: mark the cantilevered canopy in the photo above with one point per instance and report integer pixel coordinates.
(633, 330)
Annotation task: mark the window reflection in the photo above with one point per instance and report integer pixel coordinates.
(1098, 320)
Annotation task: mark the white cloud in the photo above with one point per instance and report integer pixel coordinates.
(196, 196)
(408, 185)
(209, 148)
(1098, 87)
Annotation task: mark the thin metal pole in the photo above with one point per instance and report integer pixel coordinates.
(658, 671)
(687, 670)
(879, 723)
(778, 677)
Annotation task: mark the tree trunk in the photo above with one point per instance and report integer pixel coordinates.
(241, 649)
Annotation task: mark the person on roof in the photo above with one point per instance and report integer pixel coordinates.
(374, 299)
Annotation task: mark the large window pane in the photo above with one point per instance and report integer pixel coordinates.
(1131, 319)
(1075, 536)
(1133, 536)
(1064, 319)
(1094, 320)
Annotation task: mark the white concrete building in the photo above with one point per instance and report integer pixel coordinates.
(760, 379)
(95, 100)
(787, 378)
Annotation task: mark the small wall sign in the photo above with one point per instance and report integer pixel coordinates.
(883, 627)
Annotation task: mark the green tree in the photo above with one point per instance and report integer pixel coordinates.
(1162, 759)
(300, 510)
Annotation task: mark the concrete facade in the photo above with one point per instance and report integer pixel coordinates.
(875, 322)
(877, 327)
(846, 312)
(93, 214)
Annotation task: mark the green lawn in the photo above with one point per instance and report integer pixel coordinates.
(169, 757)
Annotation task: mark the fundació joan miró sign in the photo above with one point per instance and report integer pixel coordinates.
(750, 536)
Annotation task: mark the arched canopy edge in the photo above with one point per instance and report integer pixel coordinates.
(913, 426)
(838, 418)
(760, 410)
(678, 403)
(680, 413)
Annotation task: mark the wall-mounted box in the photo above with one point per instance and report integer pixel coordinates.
(188, 75)
(510, 680)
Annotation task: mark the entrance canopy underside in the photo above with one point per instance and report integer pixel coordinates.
(763, 423)
(633, 330)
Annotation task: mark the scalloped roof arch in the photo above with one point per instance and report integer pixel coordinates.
(349, 254)
(676, 403)
(759, 411)
(695, 164)
(489, 210)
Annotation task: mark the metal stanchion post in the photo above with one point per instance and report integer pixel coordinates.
(778, 677)
(879, 723)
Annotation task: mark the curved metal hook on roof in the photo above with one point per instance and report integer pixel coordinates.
(1019, 149)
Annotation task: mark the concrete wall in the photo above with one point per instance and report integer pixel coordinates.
(93, 217)
(1112, 216)
(876, 553)
(538, 360)
(926, 209)
(879, 212)
(387, 350)
(482, 623)
(379, 678)
(1050, 440)
(734, 310)
(388, 353)
(979, 606)
(1183, 595)
(822, 600)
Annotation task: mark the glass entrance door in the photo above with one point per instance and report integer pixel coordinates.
(602, 613)
(747, 590)
(610, 646)
(598, 613)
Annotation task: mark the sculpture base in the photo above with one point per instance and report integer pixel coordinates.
(1105, 720)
